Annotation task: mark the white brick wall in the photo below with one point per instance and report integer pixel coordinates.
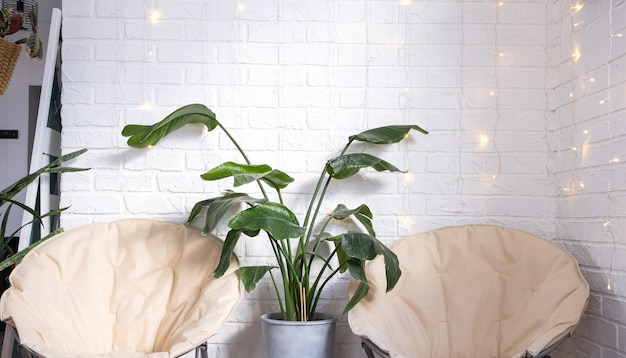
(588, 132)
(293, 78)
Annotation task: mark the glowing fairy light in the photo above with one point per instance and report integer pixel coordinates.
(408, 179)
(617, 35)
(592, 79)
(492, 93)
(574, 149)
(483, 140)
(406, 89)
(608, 285)
(146, 106)
(405, 2)
(500, 3)
(155, 16)
(607, 223)
(614, 160)
(576, 54)
(579, 23)
(585, 132)
(603, 101)
(576, 8)
(494, 176)
(500, 54)
(241, 7)
(581, 184)
(571, 95)
(406, 222)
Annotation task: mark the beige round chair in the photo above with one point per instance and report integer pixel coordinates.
(130, 288)
(473, 291)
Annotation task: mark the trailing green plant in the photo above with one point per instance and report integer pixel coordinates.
(295, 245)
(11, 24)
(7, 203)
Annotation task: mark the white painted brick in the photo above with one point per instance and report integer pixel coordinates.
(293, 79)
(164, 31)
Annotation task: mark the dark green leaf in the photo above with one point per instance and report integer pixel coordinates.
(342, 258)
(386, 135)
(363, 214)
(366, 247)
(250, 275)
(142, 136)
(347, 165)
(227, 250)
(217, 207)
(22, 183)
(247, 173)
(359, 294)
(356, 269)
(274, 218)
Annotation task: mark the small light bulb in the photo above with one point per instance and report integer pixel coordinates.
(579, 23)
(406, 89)
(492, 93)
(241, 7)
(571, 95)
(608, 285)
(576, 8)
(405, 2)
(607, 223)
(605, 100)
(574, 149)
(408, 179)
(483, 140)
(500, 3)
(617, 35)
(494, 176)
(566, 189)
(576, 55)
(146, 106)
(501, 54)
(585, 132)
(592, 79)
(155, 16)
(614, 160)
(581, 184)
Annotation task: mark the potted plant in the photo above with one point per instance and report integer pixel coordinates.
(7, 203)
(10, 50)
(295, 244)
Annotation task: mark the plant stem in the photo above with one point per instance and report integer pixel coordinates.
(280, 301)
(319, 291)
(243, 154)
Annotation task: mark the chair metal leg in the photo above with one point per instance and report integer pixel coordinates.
(371, 348)
(201, 351)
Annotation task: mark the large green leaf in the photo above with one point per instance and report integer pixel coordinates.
(53, 167)
(359, 294)
(274, 218)
(362, 213)
(227, 250)
(250, 275)
(217, 207)
(347, 165)
(247, 173)
(386, 135)
(365, 247)
(142, 136)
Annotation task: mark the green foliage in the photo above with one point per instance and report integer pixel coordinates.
(296, 246)
(11, 24)
(7, 203)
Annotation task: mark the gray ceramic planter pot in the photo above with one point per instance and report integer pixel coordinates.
(294, 339)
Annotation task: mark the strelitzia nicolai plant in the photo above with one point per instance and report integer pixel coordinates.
(295, 245)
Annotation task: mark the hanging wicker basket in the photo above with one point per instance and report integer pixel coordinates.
(9, 54)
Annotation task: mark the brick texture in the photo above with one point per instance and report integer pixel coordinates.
(293, 78)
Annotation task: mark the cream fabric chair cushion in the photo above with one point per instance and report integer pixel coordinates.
(472, 291)
(131, 288)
